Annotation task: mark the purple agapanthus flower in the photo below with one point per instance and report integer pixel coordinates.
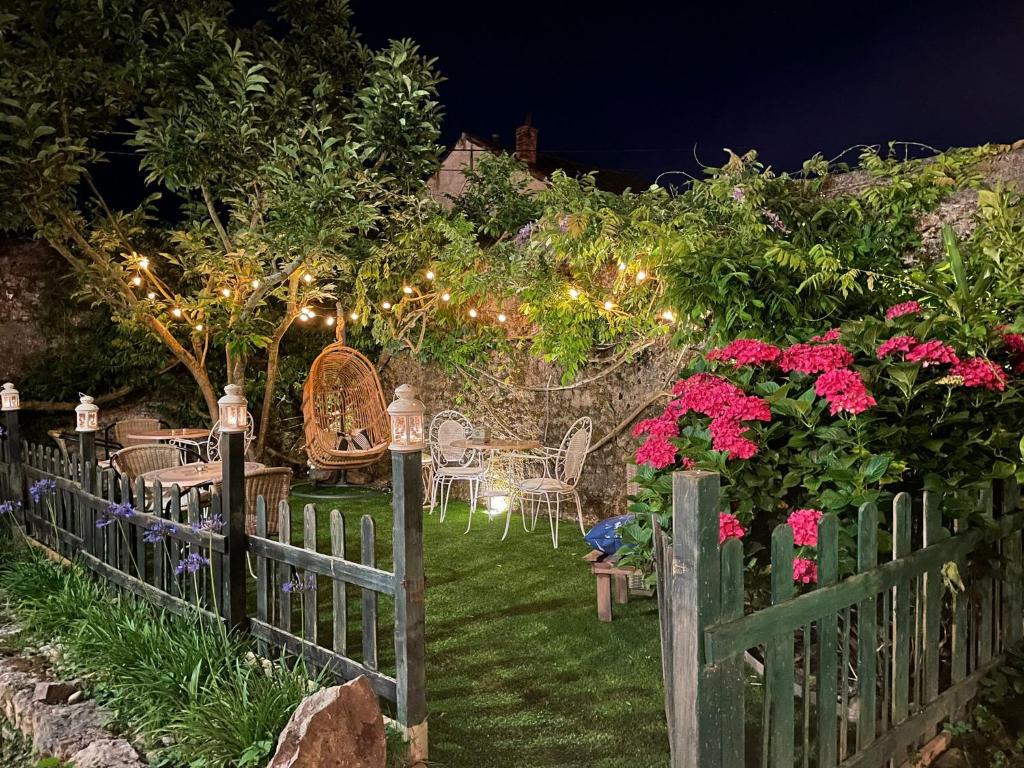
(115, 511)
(9, 507)
(41, 488)
(211, 524)
(523, 235)
(157, 532)
(300, 584)
(191, 564)
(738, 194)
(3, 432)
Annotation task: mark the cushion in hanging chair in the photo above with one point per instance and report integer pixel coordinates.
(345, 413)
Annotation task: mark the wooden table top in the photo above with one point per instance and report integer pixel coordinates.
(496, 444)
(192, 475)
(159, 435)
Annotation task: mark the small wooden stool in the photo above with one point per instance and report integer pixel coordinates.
(606, 569)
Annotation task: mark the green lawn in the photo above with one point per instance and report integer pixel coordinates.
(520, 673)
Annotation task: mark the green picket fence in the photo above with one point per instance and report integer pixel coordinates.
(854, 671)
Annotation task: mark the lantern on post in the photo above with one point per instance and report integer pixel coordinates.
(10, 399)
(87, 415)
(232, 410)
(406, 414)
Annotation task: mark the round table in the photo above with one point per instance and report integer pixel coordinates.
(160, 435)
(189, 476)
(500, 475)
(496, 444)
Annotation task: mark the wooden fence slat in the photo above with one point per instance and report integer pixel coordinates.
(933, 589)
(867, 626)
(828, 573)
(369, 616)
(159, 548)
(284, 571)
(986, 614)
(174, 514)
(901, 628)
(732, 695)
(309, 579)
(779, 655)
(338, 596)
(1014, 588)
(960, 623)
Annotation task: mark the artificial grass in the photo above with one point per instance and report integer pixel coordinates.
(520, 673)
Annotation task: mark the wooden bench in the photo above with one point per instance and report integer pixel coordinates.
(608, 573)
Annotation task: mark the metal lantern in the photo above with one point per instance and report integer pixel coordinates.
(10, 400)
(233, 414)
(406, 414)
(87, 415)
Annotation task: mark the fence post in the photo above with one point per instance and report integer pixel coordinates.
(234, 420)
(407, 541)
(695, 594)
(10, 402)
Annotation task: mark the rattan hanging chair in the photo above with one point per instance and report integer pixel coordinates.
(344, 410)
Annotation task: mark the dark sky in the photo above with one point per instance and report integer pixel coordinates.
(642, 85)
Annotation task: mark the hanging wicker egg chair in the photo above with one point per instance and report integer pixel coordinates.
(345, 415)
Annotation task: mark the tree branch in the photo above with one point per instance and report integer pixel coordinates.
(221, 232)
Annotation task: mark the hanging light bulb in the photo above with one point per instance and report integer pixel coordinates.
(641, 276)
(609, 305)
(622, 266)
(430, 275)
(136, 280)
(307, 278)
(255, 283)
(144, 262)
(407, 289)
(668, 315)
(386, 305)
(473, 313)
(303, 316)
(330, 321)
(225, 292)
(354, 316)
(151, 295)
(574, 293)
(308, 311)
(199, 327)
(501, 317)
(176, 311)
(446, 297)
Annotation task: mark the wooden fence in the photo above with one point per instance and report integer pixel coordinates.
(328, 596)
(857, 671)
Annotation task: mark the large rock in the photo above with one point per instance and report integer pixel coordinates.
(338, 727)
(107, 753)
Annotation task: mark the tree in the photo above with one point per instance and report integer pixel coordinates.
(272, 162)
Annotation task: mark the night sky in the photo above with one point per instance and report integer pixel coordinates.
(651, 85)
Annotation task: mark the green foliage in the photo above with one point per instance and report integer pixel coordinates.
(195, 698)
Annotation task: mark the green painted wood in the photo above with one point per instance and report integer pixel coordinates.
(309, 610)
(986, 612)
(867, 627)
(136, 541)
(159, 557)
(356, 574)
(283, 569)
(828, 629)
(338, 589)
(262, 580)
(368, 548)
(732, 699)
(1014, 586)
(933, 590)
(959, 622)
(901, 620)
(779, 654)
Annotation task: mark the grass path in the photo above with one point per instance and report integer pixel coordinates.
(520, 673)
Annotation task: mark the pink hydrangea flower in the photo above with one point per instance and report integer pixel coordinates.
(830, 335)
(805, 571)
(729, 527)
(844, 390)
(896, 344)
(727, 406)
(656, 452)
(703, 393)
(980, 372)
(663, 426)
(815, 358)
(1015, 344)
(745, 352)
(804, 523)
(727, 435)
(932, 352)
(906, 308)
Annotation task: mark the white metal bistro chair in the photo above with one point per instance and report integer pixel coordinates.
(561, 473)
(452, 463)
(213, 440)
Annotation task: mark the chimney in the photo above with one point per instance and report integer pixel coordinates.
(526, 143)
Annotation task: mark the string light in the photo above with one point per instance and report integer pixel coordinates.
(255, 283)
(225, 292)
(622, 266)
(407, 289)
(430, 275)
(303, 317)
(307, 278)
(501, 317)
(199, 327)
(386, 305)
(354, 316)
(136, 280)
(574, 293)
(608, 305)
(330, 321)
(472, 313)
(668, 315)
(176, 312)
(446, 297)
(151, 295)
(144, 262)
(641, 276)
(308, 311)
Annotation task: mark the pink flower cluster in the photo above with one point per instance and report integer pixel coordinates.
(932, 352)
(745, 352)
(844, 390)
(1015, 344)
(804, 523)
(980, 372)
(729, 527)
(896, 344)
(831, 335)
(815, 358)
(805, 571)
(906, 308)
(657, 452)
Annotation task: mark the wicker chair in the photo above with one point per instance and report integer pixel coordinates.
(561, 472)
(122, 429)
(273, 484)
(139, 459)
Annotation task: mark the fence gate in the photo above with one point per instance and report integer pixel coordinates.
(857, 671)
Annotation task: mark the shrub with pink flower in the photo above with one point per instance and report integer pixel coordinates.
(805, 571)
(1015, 345)
(906, 308)
(845, 391)
(896, 344)
(933, 352)
(804, 523)
(980, 372)
(729, 527)
(830, 335)
(815, 358)
(745, 352)
(656, 452)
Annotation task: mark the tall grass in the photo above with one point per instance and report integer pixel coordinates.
(194, 696)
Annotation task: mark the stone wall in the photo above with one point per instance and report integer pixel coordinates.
(29, 275)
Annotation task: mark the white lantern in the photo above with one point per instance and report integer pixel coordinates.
(233, 414)
(406, 420)
(87, 415)
(10, 400)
